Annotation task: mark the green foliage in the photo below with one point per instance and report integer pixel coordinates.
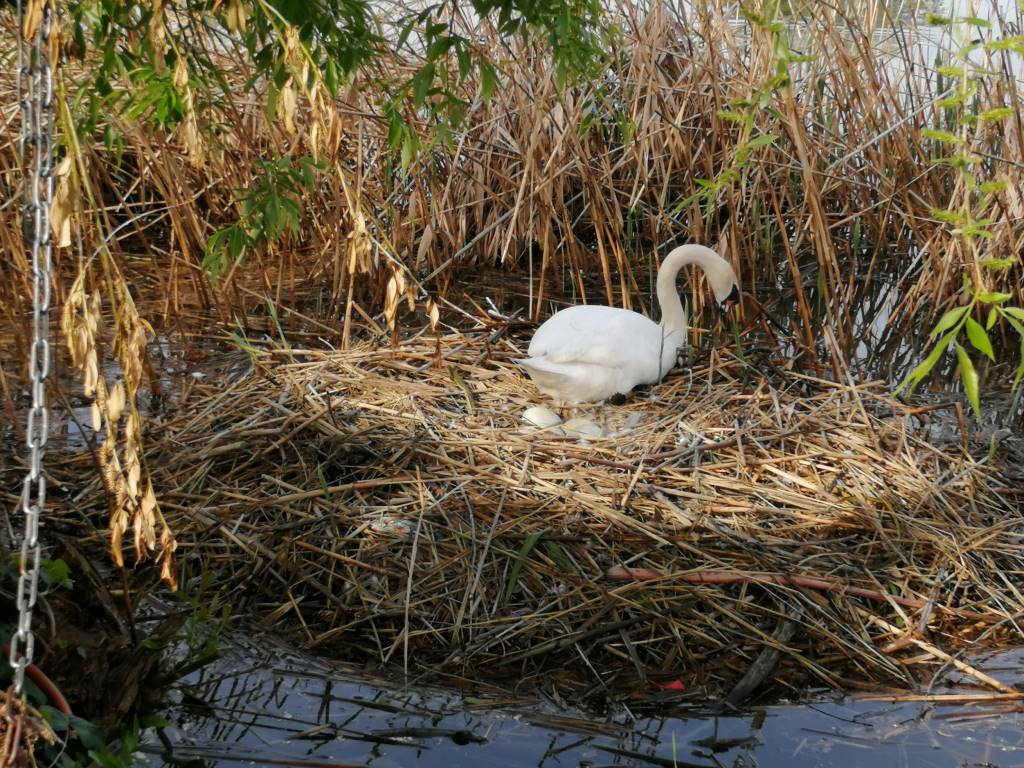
(742, 112)
(517, 565)
(141, 69)
(206, 623)
(137, 48)
(574, 30)
(56, 573)
(269, 211)
(968, 217)
(961, 321)
(89, 745)
(53, 574)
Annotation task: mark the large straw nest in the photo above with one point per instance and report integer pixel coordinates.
(391, 504)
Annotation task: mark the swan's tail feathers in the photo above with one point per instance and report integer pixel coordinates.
(545, 374)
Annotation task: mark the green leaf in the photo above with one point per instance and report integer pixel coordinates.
(925, 366)
(979, 339)
(951, 318)
(1018, 375)
(488, 79)
(762, 141)
(394, 131)
(408, 148)
(517, 566)
(945, 137)
(977, 229)
(733, 117)
(406, 30)
(439, 47)
(1017, 325)
(947, 216)
(556, 553)
(991, 187)
(975, 21)
(421, 83)
(998, 263)
(994, 297)
(272, 95)
(465, 61)
(999, 113)
(948, 70)
(1015, 312)
(937, 20)
(57, 572)
(331, 78)
(90, 734)
(1005, 43)
(969, 377)
(993, 315)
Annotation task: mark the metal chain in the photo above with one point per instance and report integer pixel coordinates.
(35, 97)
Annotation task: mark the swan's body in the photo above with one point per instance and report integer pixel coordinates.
(586, 354)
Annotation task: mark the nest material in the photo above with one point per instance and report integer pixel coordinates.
(21, 728)
(393, 503)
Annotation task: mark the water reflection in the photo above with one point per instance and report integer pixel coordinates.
(264, 704)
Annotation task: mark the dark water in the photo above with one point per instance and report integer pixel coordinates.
(264, 704)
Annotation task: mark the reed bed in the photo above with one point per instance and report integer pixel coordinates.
(389, 506)
(569, 181)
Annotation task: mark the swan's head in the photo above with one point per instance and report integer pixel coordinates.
(723, 281)
(718, 272)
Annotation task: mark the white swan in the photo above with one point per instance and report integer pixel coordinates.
(585, 354)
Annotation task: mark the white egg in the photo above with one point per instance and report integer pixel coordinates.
(580, 427)
(541, 417)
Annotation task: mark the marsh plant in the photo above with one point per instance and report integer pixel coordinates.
(960, 141)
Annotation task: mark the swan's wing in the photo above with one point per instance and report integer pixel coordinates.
(599, 335)
(548, 375)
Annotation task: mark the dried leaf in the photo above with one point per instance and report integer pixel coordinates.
(62, 205)
(118, 525)
(433, 313)
(91, 374)
(287, 102)
(33, 17)
(236, 16)
(168, 545)
(116, 402)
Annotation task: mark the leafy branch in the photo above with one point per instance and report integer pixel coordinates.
(969, 220)
(269, 210)
(743, 112)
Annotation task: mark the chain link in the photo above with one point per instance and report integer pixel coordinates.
(35, 98)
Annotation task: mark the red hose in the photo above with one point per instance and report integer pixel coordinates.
(45, 684)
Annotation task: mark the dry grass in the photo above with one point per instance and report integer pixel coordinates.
(391, 505)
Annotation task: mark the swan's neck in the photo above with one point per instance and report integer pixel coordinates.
(673, 318)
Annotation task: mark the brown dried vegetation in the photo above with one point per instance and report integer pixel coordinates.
(818, 480)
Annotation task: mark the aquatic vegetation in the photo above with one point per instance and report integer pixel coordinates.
(974, 200)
